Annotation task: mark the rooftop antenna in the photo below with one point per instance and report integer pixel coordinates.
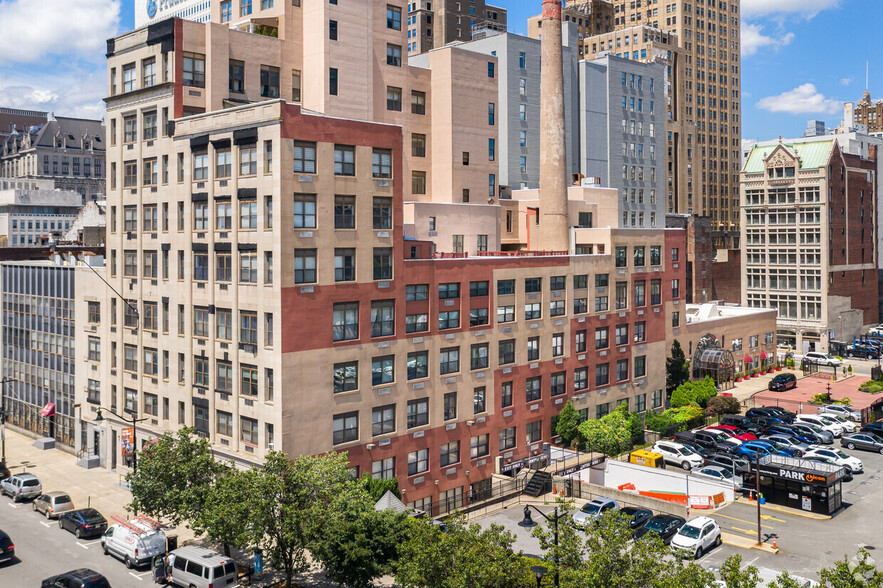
(867, 75)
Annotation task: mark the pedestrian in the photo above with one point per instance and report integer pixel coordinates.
(170, 563)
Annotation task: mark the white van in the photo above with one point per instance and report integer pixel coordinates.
(135, 542)
(835, 430)
(197, 567)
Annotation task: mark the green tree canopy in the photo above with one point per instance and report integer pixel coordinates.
(611, 434)
(697, 393)
(567, 426)
(723, 405)
(677, 371)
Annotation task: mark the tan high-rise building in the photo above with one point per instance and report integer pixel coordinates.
(435, 23)
(869, 113)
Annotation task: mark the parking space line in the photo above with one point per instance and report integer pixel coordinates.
(745, 530)
(87, 546)
(45, 524)
(11, 505)
(743, 520)
(139, 577)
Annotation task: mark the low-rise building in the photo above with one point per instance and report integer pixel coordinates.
(33, 210)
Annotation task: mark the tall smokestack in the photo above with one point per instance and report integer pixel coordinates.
(553, 233)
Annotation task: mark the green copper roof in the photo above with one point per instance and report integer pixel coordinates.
(812, 154)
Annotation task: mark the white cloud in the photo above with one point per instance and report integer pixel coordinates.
(805, 8)
(80, 96)
(804, 99)
(36, 29)
(845, 81)
(754, 39)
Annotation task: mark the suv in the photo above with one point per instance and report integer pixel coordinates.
(822, 359)
(783, 382)
(592, 511)
(697, 536)
(53, 504)
(198, 567)
(840, 410)
(677, 454)
(82, 578)
(7, 547)
(21, 486)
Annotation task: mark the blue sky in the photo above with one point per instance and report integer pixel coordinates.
(801, 59)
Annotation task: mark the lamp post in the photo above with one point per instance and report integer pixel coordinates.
(553, 520)
(134, 420)
(3, 422)
(539, 572)
(757, 497)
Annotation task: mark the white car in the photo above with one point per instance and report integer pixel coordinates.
(677, 454)
(840, 410)
(847, 425)
(852, 465)
(719, 474)
(592, 511)
(697, 536)
(814, 419)
(822, 359)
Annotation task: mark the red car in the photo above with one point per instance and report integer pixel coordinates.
(736, 432)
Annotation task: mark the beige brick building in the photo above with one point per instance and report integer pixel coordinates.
(435, 23)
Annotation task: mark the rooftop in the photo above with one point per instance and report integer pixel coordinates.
(710, 311)
(811, 154)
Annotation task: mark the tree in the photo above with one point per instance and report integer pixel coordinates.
(676, 369)
(786, 580)
(225, 517)
(376, 488)
(174, 476)
(732, 574)
(723, 405)
(862, 574)
(567, 425)
(358, 544)
(288, 505)
(463, 556)
(697, 393)
(609, 434)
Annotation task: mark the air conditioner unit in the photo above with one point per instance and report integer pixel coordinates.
(271, 446)
(370, 446)
(470, 423)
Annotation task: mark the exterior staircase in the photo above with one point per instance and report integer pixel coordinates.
(537, 484)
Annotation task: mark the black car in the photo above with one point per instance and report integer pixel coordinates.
(734, 463)
(662, 525)
(4, 472)
(863, 351)
(85, 522)
(783, 382)
(789, 432)
(781, 413)
(636, 516)
(876, 428)
(696, 448)
(82, 578)
(764, 421)
(7, 547)
(768, 412)
(808, 433)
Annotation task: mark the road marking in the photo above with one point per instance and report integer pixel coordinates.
(88, 545)
(45, 524)
(746, 531)
(140, 577)
(11, 505)
(771, 518)
(744, 521)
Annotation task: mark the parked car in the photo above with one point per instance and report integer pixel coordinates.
(52, 504)
(840, 410)
(719, 473)
(764, 422)
(697, 536)
(636, 517)
(862, 440)
(705, 441)
(85, 522)
(677, 454)
(820, 422)
(704, 452)
(822, 359)
(786, 440)
(7, 547)
(82, 578)
(761, 413)
(734, 463)
(788, 431)
(876, 428)
(852, 465)
(734, 432)
(21, 486)
(862, 351)
(752, 451)
(663, 525)
(847, 425)
(197, 567)
(4, 472)
(735, 420)
(592, 510)
(135, 542)
(782, 382)
(810, 430)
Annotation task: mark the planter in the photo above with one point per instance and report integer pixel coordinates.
(738, 380)
(778, 368)
(753, 375)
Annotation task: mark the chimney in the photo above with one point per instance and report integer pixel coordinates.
(553, 230)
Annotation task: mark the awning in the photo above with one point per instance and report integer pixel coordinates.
(748, 359)
(763, 355)
(48, 410)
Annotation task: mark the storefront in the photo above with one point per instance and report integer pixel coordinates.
(799, 483)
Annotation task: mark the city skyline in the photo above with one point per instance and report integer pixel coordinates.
(787, 76)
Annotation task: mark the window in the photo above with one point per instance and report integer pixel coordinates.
(655, 255)
(382, 318)
(200, 372)
(394, 99)
(304, 211)
(491, 69)
(479, 396)
(224, 376)
(533, 348)
(522, 60)
(491, 110)
(94, 349)
(224, 423)
(345, 376)
(621, 256)
(394, 55)
(602, 374)
(344, 264)
(479, 446)
(640, 331)
(415, 323)
(479, 356)
(640, 298)
(131, 405)
(418, 145)
(533, 389)
(149, 126)
(200, 167)
(332, 81)
(622, 295)
(346, 321)
(244, 7)
(505, 287)
(450, 454)
(449, 319)
(332, 30)
(226, 11)
(532, 311)
(345, 427)
(129, 82)
(450, 406)
(640, 366)
(248, 267)
(248, 160)
(344, 160)
(194, 66)
(622, 334)
(237, 76)
(382, 370)
(418, 103)
(418, 182)
(418, 412)
(416, 292)
(344, 212)
(393, 17)
(383, 420)
(381, 163)
(130, 264)
(675, 289)
(418, 365)
(449, 290)
(382, 263)
(534, 432)
(248, 382)
(449, 360)
(130, 174)
(418, 462)
(557, 344)
(248, 327)
(507, 438)
(382, 213)
(557, 308)
(224, 324)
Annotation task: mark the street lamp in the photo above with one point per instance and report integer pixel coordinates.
(3, 383)
(134, 420)
(553, 520)
(539, 571)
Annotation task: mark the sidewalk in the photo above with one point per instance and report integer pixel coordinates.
(58, 471)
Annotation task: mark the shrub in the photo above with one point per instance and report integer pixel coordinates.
(694, 393)
(723, 405)
(821, 398)
(672, 416)
(846, 401)
(871, 387)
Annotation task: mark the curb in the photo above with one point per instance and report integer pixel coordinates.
(746, 543)
(787, 510)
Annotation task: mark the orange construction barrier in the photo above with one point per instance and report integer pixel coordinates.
(628, 486)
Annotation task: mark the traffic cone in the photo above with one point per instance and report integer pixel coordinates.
(774, 542)
(554, 489)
